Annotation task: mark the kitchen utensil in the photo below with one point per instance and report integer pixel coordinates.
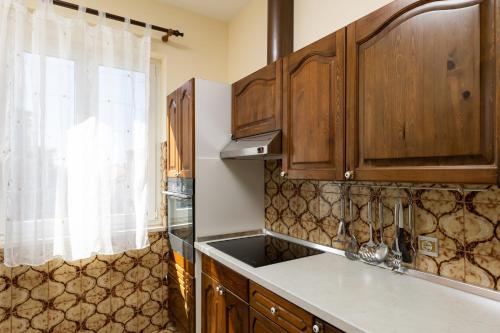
(412, 227)
(405, 251)
(368, 250)
(351, 251)
(341, 232)
(382, 249)
(394, 256)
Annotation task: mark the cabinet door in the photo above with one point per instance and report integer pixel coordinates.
(212, 307)
(260, 324)
(222, 311)
(235, 313)
(422, 92)
(181, 302)
(313, 104)
(256, 102)
(173, 135)
(186, 112)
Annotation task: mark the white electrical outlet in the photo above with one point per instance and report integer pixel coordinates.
(428, 246)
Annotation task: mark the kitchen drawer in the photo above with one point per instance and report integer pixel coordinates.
(231, 280)
(287, 315)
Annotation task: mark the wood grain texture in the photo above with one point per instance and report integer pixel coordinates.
(419, 104)
(256, 102)
(326, 328)
(181, 304)
(231, 280)
(313, 110)
(187, 113)
(222, 313)
(172, 135)
(260, 324)
(288, 316)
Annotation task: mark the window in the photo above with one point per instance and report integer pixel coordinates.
(60, 95)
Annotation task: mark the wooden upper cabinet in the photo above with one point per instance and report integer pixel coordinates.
(422, 92)
(173, 135)
(256, 102)
(180, 125)
(313, 110)
(186, 110)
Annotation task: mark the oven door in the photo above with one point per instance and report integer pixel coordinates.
(180, 216)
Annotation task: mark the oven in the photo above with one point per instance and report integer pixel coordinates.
(180, 216)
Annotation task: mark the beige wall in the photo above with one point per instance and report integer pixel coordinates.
(201, 53)
(313, 19)
(247, 33)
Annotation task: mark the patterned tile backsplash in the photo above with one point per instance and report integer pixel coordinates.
(126, 292)
(467, 226)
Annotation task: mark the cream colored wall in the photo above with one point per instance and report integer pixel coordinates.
(201, 53)
(247, 33)
(313, 19)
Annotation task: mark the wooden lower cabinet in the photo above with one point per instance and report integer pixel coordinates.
(230, 303)
(181, 299)
(260, 324)
(222, 311)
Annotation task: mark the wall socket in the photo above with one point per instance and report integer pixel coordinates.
(428, 246)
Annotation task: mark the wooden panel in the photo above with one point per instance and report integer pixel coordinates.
(173, 135)
(256, 102)
(236, 313)
(212, 307)
(289, 316)
(177, 259)
(231, 280)
(181, 302)
(326, 328)
(222, 312)
(419, 97)
(260, 324)
(313, 104)
(186, 111)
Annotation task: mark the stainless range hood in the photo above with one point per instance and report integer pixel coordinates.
(258, 147)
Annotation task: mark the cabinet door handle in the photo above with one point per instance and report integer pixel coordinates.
(273, 310)
(283, 174)
(349, 175)
(317, 328)
(220, 290)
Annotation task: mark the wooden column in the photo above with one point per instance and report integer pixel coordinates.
(279, 29)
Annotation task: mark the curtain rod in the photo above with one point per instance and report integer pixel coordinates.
(169, 32)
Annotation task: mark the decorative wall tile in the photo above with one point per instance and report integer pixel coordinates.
(467, 226)
(483, 271)
(105, 293)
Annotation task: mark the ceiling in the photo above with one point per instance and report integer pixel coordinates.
(219, 9)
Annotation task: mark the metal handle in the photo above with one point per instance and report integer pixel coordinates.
(349, 175)
(283, 174)
(317, 328)
(273, 310)
(177, 195)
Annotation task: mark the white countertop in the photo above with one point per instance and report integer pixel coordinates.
(357, 297)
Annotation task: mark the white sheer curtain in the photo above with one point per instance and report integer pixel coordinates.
(73, 135)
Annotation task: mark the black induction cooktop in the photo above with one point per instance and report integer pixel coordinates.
(263, 250)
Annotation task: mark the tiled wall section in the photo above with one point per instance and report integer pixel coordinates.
(107, 294)
(467, 226)
(126, 292)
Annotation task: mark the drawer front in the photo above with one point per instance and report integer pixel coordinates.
(287, 315)
(231, 280)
